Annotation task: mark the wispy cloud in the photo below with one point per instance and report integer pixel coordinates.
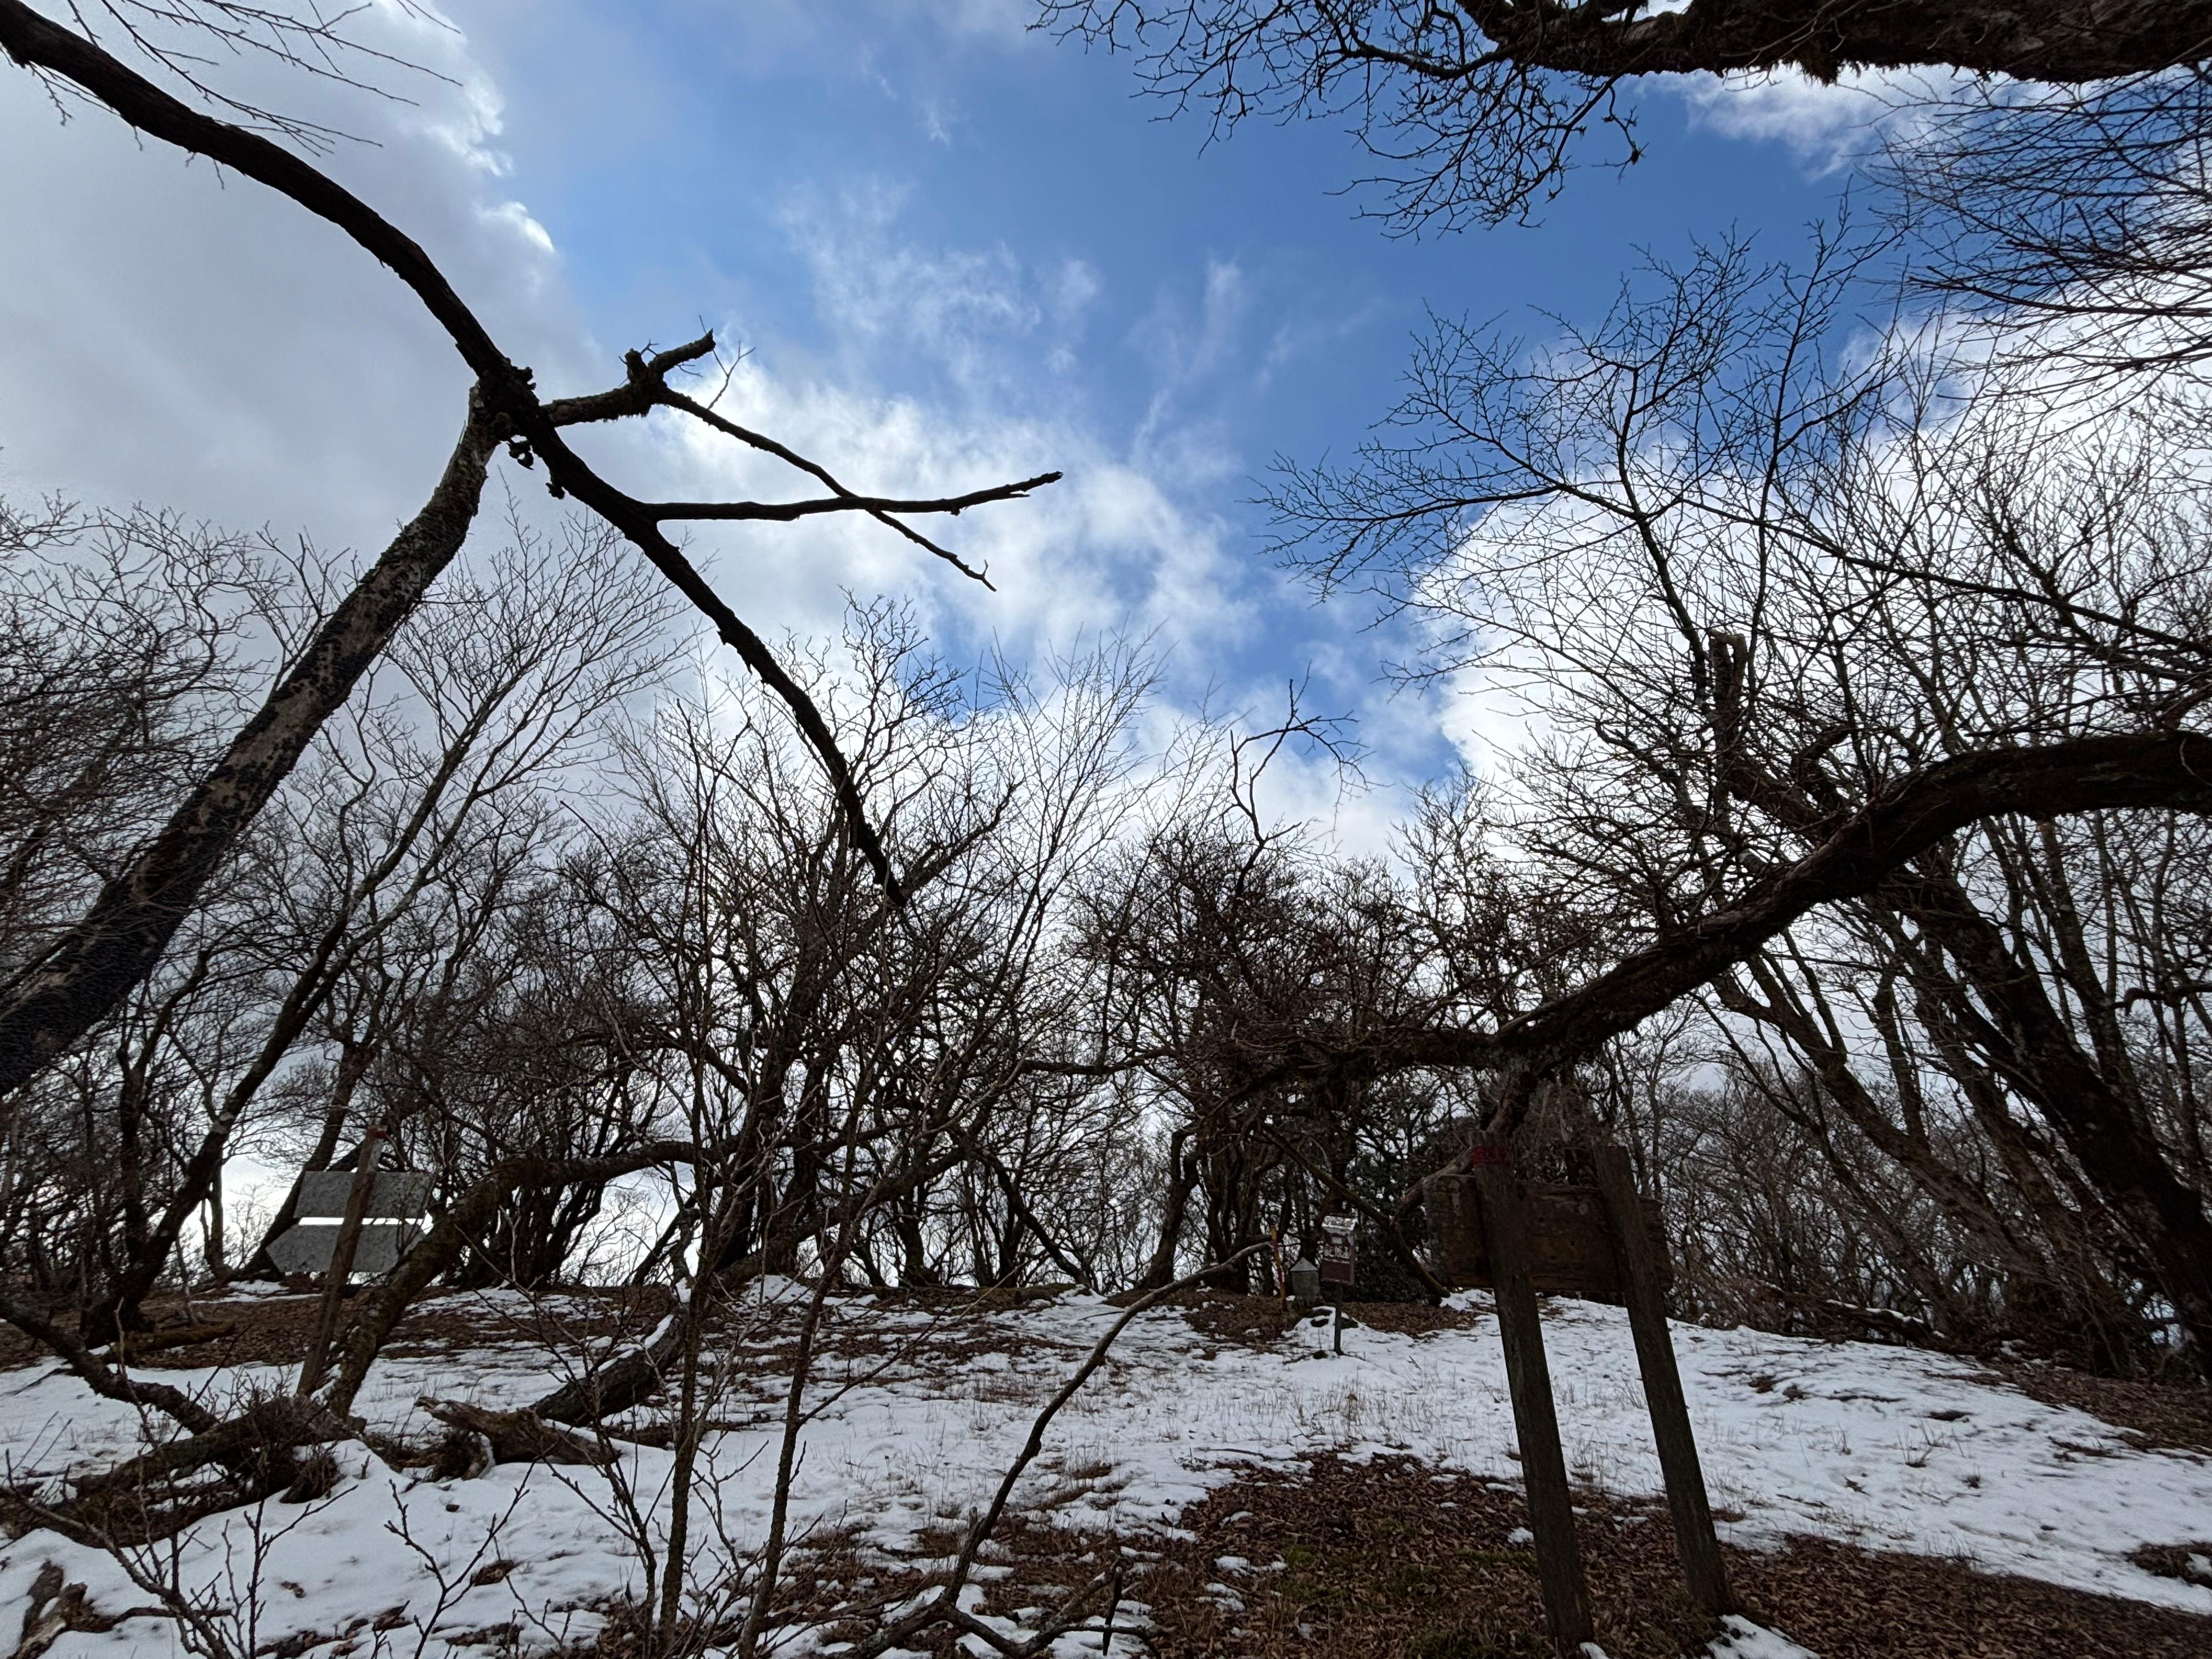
(1827, 125)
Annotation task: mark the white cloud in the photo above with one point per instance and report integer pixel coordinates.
(1125, 542)
(1827, 125)
(517, 217)
(1004, 20)
(171, 335)
(972, 312)
(1075, 288)
(175, 334)
(1107, 549)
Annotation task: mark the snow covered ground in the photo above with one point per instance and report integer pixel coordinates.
(1879, 1447)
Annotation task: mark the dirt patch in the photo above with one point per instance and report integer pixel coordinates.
(1849, 1604)
(243, 1331)
(2190, 1563)
(265, 1329)
(567, 1321)
(1261, 1321)
(1412, 1318)
(1393, 1558)
(1255, 1322)
(835, 1587)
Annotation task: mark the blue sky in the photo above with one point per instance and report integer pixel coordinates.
(1001, 141)
(744, 139)
(955, 250)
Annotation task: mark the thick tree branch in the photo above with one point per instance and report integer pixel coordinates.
(51, 1003)
(2168, 770)
(2056, 40)
(1476, 108)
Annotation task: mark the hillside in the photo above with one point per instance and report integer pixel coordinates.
(1263, 1494)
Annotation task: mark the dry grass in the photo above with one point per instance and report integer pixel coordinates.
(1393, 1558)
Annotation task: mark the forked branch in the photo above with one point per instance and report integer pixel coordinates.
(99, 961)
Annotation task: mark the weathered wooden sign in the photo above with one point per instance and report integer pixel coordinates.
(1340, 1249)
(1568, 1240)
(1492, 1229)
(390, 1223)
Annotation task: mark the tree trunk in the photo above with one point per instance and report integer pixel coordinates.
(2027, 1039)
(1182, 1176)
(86, 974)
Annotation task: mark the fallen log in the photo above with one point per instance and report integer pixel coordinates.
(137, 1345)
(605, 1391)
(516, 1437)
(256, 1445)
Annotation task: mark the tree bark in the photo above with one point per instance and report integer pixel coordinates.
(2066, 41)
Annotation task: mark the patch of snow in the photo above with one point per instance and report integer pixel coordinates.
(1746, 1640)
(1880, 1447)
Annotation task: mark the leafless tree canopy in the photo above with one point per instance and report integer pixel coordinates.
(2078, 222)
(90, 968)
(1844, 853)
(1780, 615)
(1475, 109)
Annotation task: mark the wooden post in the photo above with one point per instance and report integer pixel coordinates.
(349, 1240)
(1694, 1538)
(1543, 1465)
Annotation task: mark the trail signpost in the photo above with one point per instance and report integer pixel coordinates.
(1568, 1243)
(390, 1218)
(1340, 1250)
(1600, 1240)
(1339, 1265)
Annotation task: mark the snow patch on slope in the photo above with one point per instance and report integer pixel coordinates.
(1879, 1447)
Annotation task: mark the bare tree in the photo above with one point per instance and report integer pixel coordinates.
(90, 968)
(1475, 108)
(1809, 642)
(415, 827)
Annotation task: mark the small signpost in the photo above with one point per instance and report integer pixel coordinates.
(1339, 1251)
(1339, 1265)
(390, 1220)
(1599, 1240)
(360, 1220)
